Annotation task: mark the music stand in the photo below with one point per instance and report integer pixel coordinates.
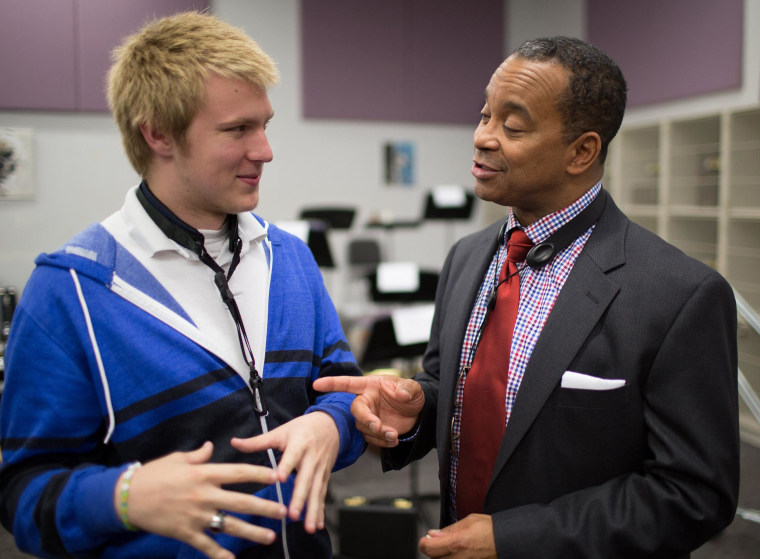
(314, 234)
(389, 227)
(383, 346)
(449, 203)
(326, 218)
(402, 334)
(336, 218)
(419, 289)
(319, 245)
(440, 206)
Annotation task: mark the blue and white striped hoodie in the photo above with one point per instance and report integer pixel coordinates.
(102, 370)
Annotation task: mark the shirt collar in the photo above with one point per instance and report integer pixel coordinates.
(543, 228)
(152, 239)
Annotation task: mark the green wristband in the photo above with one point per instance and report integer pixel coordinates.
(124, 486)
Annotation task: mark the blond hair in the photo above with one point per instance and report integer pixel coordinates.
(159, 73)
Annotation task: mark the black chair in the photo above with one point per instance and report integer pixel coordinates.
(362, 258)
(364, 252)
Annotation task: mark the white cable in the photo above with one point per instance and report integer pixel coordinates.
(273, 461)
(262, 419)
(96, 351)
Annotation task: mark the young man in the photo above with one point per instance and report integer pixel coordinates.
(614, 431)
(158, 396)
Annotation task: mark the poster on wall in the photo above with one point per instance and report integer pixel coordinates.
(16, 164)
(399, 163)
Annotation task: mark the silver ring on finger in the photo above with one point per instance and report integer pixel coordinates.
(216, 525)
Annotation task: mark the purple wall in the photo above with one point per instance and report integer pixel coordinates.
(37, 56)
(406, 60)
(351, 58)
(102, 24)
(671, 49)
(54, 54)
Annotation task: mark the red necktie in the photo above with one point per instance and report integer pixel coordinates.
(485, 388)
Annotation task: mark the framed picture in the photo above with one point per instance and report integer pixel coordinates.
(16, 164)
(399, 163)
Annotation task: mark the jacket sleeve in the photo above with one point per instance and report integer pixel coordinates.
(337, 359)
(686, 489)
(54, 496)
(334, 358)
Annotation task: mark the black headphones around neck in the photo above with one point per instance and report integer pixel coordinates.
(542, 253)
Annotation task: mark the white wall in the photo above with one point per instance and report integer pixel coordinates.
(82, 175)
(529, 19)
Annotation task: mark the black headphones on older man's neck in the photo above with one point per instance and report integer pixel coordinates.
(541, 254)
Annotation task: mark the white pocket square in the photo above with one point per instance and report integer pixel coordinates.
(571, 379)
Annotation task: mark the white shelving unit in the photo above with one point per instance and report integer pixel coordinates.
(696, 183)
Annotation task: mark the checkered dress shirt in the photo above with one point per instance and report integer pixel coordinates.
(538, 291)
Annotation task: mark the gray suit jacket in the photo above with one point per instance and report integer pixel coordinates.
(647, 470)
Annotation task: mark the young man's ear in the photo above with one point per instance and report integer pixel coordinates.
(161, 144)
(584, 152)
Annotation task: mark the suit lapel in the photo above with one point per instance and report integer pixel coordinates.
(581, 303)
